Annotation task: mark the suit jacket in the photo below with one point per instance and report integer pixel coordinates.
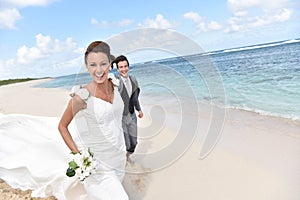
(132, 102)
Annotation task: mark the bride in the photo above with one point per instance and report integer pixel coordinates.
(92, 119)
(103, 133)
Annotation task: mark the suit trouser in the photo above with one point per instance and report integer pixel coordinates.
(129, 125)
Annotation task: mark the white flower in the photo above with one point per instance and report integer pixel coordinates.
(113, 79)
(83, 164)
(83, 93)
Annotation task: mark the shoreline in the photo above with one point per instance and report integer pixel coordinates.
(33, 83)
(256, 156)
(233, 109)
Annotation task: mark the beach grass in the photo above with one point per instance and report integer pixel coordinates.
(10, 81)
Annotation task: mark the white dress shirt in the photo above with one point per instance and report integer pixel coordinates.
(127, 84)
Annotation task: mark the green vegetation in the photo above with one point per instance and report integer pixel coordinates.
(9, 81)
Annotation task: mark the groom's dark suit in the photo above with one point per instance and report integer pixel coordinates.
(129, 121)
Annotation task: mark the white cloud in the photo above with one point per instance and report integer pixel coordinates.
(201, 24)
(45, 47)
(213, 25)
(252, 14)
(28, 55)
(194, 17)
(124, 22)
(48, 57)
(5, 67)
(161, 41)
(106, 24)
(247, 15)
(25, 3)
(283, 15)
(8, 18)
(241, 13)
(158, 22)
(10, 14)
(240, 5)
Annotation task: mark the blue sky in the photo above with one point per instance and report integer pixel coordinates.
(41, 38)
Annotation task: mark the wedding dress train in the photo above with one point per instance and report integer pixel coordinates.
(34, 156)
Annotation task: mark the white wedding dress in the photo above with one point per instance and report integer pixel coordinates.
(34, 156)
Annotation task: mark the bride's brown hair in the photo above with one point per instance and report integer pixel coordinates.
(98, 46)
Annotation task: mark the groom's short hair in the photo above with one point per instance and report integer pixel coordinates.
(121, 58)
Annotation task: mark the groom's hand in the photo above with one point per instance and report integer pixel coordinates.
(141, 114)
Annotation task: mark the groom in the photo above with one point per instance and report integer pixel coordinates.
(129, 91)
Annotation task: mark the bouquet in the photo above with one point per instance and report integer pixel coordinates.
(113, 79)
(83, 164)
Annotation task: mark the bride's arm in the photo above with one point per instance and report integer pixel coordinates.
(74, 106)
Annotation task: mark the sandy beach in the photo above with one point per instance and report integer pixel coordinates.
(257, 157)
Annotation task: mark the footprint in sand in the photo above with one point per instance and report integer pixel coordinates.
(136, 180)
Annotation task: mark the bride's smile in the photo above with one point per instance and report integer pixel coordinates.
(98, 66)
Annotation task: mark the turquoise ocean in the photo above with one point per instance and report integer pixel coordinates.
(262, 78)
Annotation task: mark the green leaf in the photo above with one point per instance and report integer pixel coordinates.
(73, 165)
(91, 153)
(70, 172)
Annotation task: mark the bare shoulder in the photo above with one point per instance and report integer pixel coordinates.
(89, 87)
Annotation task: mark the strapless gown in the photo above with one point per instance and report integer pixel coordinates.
(34, 156)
